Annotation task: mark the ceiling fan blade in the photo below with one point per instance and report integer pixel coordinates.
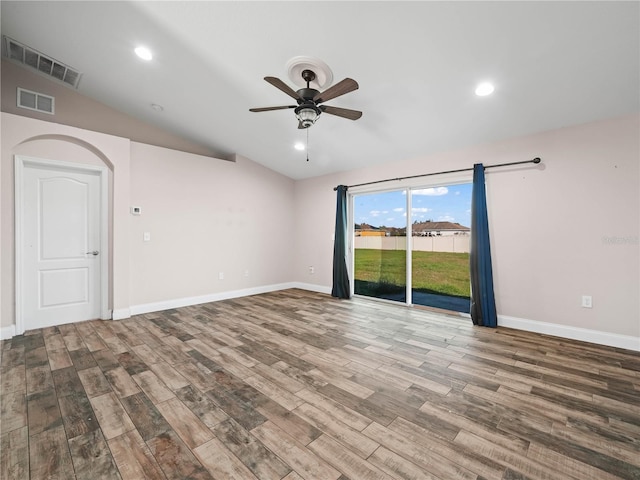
(267, 109)
(279, 84)
(342, 112)
(345, 86)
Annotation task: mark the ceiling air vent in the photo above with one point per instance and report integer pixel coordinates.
(35, 101)
(32, 58)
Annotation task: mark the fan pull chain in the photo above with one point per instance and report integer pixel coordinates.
(307, 143)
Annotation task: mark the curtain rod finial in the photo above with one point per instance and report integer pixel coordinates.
(537, 160)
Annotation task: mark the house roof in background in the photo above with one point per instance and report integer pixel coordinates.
(553, 64)
(430, 226)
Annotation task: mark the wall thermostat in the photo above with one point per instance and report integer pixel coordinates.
(136, 210)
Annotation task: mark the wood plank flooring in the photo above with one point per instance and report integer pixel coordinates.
(297, 385)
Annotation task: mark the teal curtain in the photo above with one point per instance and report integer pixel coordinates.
(483, 304)
(341, 288)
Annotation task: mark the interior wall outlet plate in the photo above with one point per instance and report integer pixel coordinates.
(587, 301)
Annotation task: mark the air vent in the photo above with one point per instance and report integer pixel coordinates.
(32, 58)
(36, 101)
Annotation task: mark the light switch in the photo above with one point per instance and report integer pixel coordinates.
(146, 236)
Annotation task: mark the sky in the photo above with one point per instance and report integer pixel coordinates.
(441, 204)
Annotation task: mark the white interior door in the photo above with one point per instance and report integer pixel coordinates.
(60, 252)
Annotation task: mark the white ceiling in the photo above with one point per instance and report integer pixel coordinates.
(553, 64)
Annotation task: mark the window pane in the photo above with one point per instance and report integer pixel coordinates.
(380, 244)
(440, 227)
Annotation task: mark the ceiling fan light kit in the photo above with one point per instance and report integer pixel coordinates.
(307, 115)
(309, 100)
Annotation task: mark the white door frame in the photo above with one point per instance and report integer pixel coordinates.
(21, 161)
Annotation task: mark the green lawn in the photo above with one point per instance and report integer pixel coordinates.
(433, 272)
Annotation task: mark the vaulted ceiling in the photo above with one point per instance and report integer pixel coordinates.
(553, 64)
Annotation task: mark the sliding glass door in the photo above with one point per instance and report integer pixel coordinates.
(440, 241)
(412, 246)
(380, 252)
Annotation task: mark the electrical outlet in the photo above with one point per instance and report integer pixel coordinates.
(246, 273)
(586, 301)
(312, 270)
(146, 236)
(220, 275)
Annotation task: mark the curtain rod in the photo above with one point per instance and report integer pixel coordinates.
(535, 160)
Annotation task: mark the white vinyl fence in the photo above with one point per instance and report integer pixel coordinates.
(450, 243)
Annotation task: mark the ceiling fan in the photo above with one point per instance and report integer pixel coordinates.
(309, 99)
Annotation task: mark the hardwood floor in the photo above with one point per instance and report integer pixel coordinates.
(297, 385)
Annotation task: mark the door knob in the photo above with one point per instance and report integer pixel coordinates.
(94, 253)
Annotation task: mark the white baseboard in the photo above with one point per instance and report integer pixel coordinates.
(121, 313)
(7, 332)
(312, 288)
(627, 342)
(213, 297)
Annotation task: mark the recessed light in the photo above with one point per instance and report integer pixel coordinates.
(299, 146)
(484, 89)
(144, 53)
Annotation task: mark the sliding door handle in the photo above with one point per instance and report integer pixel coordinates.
(94, 253)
